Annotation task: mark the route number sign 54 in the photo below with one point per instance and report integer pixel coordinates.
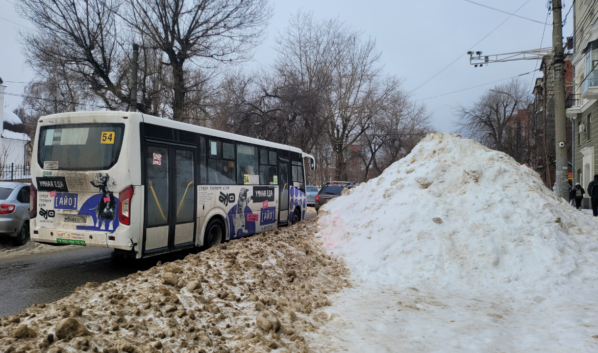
(107, 138)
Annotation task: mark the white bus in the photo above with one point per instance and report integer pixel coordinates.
(144, 185)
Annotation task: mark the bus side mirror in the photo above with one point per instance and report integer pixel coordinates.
(312, 164)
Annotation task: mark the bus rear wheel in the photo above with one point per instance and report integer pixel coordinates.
(214, 233)
(296, 216)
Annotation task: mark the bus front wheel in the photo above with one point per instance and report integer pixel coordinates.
(214, 233)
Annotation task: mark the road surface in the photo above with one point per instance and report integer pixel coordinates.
(44, 278)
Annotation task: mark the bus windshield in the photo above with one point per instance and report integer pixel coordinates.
(80, 146)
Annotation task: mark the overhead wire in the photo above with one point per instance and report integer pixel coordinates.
(505, 12)
(570, 8)
(459, 57)
(484, 84)
(20, 25)
(541, 43)
(53, 100)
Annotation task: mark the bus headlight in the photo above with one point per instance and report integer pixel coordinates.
(124, 205)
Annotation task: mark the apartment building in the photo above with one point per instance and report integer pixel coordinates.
(584, 110)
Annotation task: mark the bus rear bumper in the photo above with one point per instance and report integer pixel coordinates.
(82, 238)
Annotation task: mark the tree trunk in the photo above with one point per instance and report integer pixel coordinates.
(341, 165)
(178, 75)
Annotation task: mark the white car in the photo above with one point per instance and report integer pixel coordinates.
(14, 211)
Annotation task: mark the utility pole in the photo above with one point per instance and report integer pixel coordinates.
(560, 123)
(133, 105)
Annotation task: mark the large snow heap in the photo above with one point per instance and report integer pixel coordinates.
(455, 212)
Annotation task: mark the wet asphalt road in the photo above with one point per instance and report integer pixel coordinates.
(44, 278)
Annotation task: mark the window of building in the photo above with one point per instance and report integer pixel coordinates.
(579, 134)
(589, 127)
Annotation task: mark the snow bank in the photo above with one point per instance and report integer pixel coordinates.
(458, 248)
(455, 212)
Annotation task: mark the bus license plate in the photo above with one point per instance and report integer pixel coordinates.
(75, 219)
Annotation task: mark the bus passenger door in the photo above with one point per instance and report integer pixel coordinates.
(157, 198)
(170, 198)
(283, 187)
(183, 212)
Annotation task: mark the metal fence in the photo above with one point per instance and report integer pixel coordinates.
(15, 172)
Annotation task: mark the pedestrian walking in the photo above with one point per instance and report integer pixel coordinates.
(593, 193)
(579, 192)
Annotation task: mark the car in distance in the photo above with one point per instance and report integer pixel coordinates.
(330, 191)
(311, 192)
(14, 211)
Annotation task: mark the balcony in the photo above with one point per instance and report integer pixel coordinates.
(590, 85)
(573, 104)
(590, 82)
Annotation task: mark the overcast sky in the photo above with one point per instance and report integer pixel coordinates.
(417, 40)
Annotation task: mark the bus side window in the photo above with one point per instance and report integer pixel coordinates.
(203, 172)
(247, 163)
(297, 175)
(268, 174)
(220, 170)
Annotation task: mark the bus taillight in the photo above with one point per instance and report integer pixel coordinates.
(124, 205)
(32, 201)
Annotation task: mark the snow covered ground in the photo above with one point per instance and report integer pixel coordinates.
(258, 294)
(458, 248)
(9, 250)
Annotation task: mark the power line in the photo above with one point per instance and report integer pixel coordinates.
(2, 18)
(459, 57)
(508, 13)
(484, 84)
(541, 42)
(570, 8)
(52, 100)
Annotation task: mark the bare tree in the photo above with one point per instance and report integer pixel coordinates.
(81, 38)
(216, 30)
(393, 133)
(493, 117)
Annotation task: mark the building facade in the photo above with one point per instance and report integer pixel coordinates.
(584, 110)
(15, 146)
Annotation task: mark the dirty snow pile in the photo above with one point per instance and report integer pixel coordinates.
(8, 250)
(457, 247)
(254, 294)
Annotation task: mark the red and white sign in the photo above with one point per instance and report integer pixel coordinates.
(251, 217)
(53, 193)
(265, 204)
(157, 159)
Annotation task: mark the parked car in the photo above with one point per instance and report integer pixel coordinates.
(331, 190)
(14, 211)
(311, 191)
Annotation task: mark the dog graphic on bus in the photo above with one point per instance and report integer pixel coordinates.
(239, 226)
(106, 208)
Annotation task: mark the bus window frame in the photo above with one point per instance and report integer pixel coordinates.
(124, 131)
(219, 157)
